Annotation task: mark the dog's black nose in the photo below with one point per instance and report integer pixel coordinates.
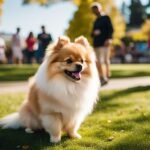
(78, 67)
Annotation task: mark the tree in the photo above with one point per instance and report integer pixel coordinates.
(41, 2)
(142, 34)
(1, 4)
(137, 13)
(82, 21)
(45, 2)
(146, 27)
(118, 23)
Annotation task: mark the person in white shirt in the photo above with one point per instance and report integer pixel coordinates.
(17, 47)
(3, 58)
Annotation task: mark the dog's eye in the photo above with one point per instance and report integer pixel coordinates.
(69, 61)
(82, 61)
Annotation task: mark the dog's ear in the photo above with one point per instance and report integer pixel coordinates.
(83, 41)
(63, 40)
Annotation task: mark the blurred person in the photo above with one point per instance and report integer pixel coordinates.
(17, 47)
(31, 42)
(122, 52)
(3, 58)
(102, 39)
(44, 39)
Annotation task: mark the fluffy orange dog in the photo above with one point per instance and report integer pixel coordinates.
(62, 92)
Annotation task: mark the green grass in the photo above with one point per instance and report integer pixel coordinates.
(120, 121)
(23, 72)
(130, 70)
(17, 72)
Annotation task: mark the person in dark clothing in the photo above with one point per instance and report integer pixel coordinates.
(102, 37)
(44, 39)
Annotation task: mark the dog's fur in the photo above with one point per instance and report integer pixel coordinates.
(56, 101)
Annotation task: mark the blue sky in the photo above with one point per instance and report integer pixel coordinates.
(30, 17)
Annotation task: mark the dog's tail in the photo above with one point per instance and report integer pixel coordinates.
(12, 121)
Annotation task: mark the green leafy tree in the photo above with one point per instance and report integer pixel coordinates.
(118, 23)
(137, 13)
(44, 2)
(41, 2)
(82, 22)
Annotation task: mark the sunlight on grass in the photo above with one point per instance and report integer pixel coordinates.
(120, 121)
(17, 72)
(130, 70)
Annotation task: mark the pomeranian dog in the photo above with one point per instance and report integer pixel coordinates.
(62, 92)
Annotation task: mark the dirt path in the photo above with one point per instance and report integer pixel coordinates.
(127, 83)
(14, 87)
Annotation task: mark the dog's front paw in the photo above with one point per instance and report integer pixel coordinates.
(75, 135)
(28, 130)
(55, 139)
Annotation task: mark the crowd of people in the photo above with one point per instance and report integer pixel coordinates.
(132, 52)
(31, 50)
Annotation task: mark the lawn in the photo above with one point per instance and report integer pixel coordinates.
(16, 72)
(130, 70)
(120, 121)
(23, 72)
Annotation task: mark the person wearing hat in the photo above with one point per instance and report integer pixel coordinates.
(102, 36)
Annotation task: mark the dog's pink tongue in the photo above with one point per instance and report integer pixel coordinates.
(76, 74)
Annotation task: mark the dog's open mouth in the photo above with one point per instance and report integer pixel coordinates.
(73, 74)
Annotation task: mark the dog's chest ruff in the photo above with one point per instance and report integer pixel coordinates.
(71, 96)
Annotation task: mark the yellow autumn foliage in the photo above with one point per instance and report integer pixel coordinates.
(146, 27)
(141, 34)
(1, 5)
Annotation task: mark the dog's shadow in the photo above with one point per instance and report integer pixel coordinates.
(19, 140)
